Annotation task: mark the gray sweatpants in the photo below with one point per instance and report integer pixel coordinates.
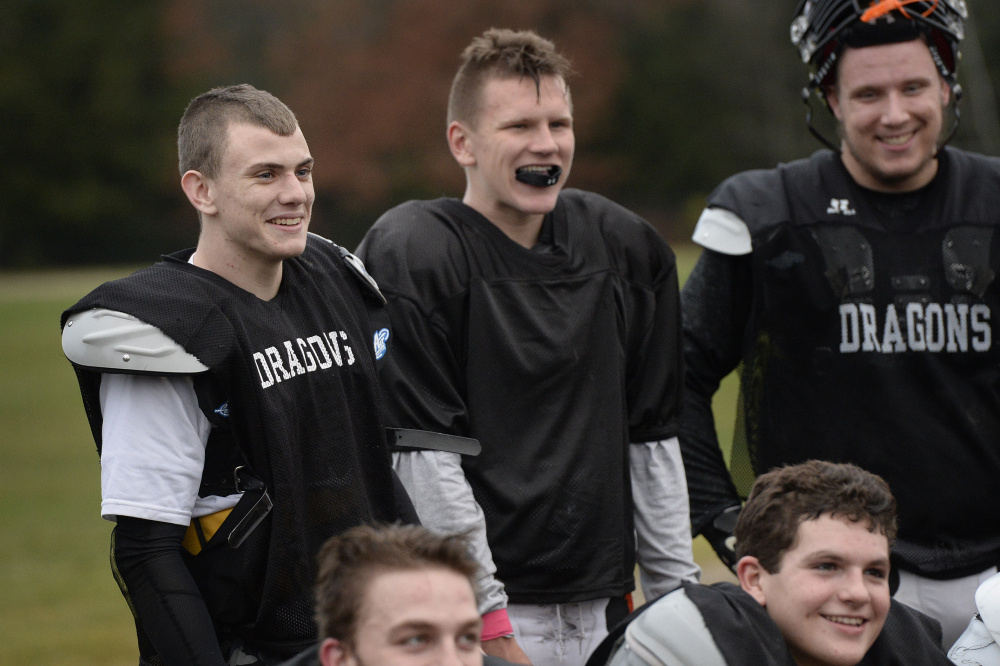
(950, 602)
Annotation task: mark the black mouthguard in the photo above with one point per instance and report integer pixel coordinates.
(536, 179)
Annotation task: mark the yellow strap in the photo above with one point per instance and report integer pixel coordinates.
(209, 524)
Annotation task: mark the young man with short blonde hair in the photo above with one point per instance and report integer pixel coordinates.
(218, 383)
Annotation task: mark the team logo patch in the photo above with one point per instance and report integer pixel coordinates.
(223, 410)
(381, 337)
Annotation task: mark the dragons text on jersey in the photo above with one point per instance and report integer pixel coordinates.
(918, 327)
(297, 357)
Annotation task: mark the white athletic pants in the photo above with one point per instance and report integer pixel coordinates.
(559, 634)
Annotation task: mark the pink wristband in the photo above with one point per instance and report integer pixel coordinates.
(496, 624)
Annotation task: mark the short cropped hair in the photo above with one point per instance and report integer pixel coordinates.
(784, 498)
(348, 563)
(201, 136)
(501, 54)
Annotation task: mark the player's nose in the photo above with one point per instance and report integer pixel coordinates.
(853, 589)
(293, 191)
(543, 141)
(895, 111)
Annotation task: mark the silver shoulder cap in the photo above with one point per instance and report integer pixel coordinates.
(723, 231)
(119, 342)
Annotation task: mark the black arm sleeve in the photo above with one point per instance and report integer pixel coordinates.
(168, 607)
(715, 309)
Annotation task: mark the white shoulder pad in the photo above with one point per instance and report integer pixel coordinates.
(723, 231)
(988, 603)
(118, 341)
(672, 632)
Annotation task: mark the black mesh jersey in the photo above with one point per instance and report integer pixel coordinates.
(303, 405)
(866, 336)
(553, 359)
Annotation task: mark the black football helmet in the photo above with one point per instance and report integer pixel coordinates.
(821, 29)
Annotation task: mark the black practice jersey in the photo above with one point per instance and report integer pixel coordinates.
(300, 395)
(862, 323)
(554, 358)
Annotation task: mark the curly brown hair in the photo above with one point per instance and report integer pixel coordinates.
(783, 498)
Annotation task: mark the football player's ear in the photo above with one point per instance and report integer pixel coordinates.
(750, 574)
(460, 144)
(332, 652)
(199, 192)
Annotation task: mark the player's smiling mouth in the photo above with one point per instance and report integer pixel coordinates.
(538, 175)
(286, 221)
(844, 619)
(537, 168)
(897, 140)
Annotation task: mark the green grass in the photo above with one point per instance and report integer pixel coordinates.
(58, 601)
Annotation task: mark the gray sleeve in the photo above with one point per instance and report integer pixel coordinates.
(445, 504)
(662, 520)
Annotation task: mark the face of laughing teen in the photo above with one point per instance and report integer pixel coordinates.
(255, 213)
(518, 128)
(830, 594)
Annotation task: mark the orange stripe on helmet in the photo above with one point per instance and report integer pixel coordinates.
(883, 7)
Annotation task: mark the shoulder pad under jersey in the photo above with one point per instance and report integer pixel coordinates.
(672, 631)
(723, 231)
(118, 342)
(357, 267)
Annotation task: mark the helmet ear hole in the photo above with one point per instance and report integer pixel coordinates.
(947, 51)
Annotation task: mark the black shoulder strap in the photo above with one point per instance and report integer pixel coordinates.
(406, 439)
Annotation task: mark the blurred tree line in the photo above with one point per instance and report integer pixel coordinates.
(671, 96)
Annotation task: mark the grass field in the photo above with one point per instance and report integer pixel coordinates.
(58, 601)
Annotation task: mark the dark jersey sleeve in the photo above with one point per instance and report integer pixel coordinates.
(716, 305)
(655, 363)
(421, 377)
(171, 618)
(647, 266)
